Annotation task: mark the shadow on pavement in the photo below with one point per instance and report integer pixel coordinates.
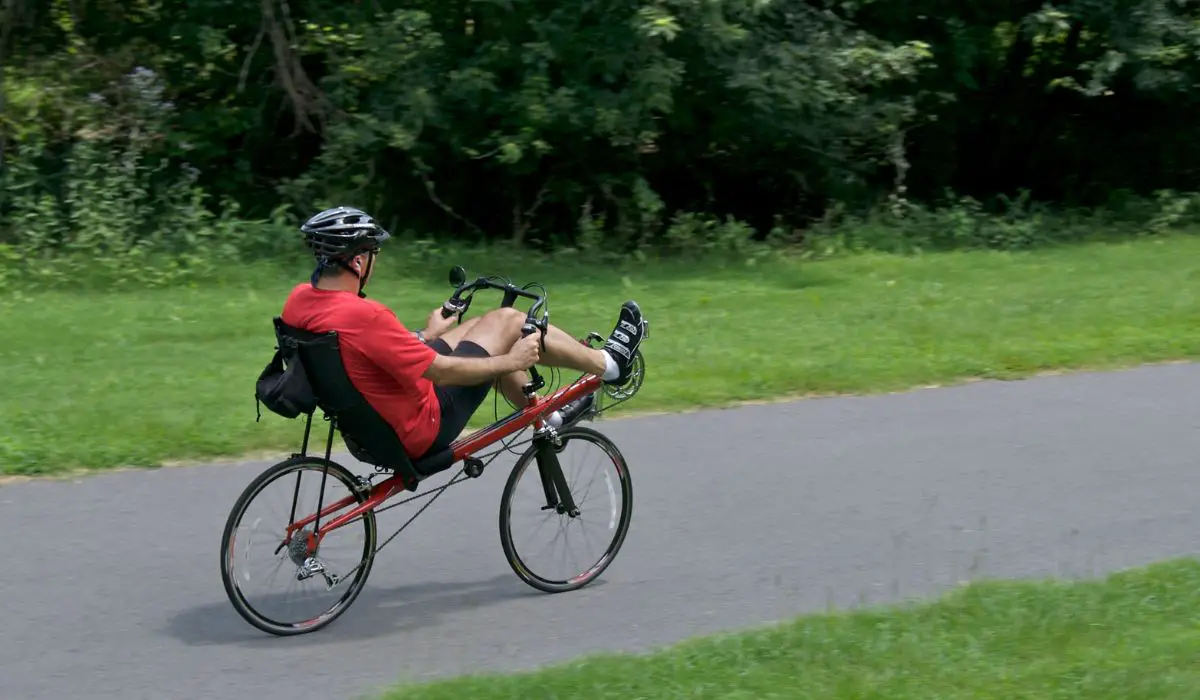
(378, 612)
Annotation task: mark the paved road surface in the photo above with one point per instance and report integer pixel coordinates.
(742, 516)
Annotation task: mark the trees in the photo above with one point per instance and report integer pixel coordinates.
(541, 120)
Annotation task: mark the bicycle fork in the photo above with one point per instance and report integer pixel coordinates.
(554, 484)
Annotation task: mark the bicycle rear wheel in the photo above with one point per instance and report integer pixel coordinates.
(293, 560)
(605, 501)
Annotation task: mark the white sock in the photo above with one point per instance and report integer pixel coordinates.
(612, 371)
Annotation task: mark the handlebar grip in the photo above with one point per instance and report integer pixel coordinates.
(449, 309)
(537, 383)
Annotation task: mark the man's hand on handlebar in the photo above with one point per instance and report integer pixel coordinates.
(526, 352)
(452, 307)
(438, 324)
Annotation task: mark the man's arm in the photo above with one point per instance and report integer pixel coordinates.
(394, 348)
(467, 371)
(398, 351)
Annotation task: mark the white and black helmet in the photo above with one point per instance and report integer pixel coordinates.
(340, 233)
(336, 235)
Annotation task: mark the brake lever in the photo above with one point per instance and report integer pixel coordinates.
(532, 326)
(543, 326)
(449, 308)
(536, 377)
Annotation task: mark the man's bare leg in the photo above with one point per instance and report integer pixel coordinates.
(498, 330)
(510, 384)
(562, 350)
(452, 336)
(513, 387)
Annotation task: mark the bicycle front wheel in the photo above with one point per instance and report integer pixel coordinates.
(316, 584)
(603, 496)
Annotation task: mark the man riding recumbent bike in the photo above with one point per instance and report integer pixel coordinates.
(401, 401)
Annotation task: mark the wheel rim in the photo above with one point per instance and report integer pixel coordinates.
(554, 548)
(253, 564)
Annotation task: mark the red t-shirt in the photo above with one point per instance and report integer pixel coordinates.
(383, 359)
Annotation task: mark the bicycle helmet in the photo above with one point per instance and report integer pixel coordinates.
(338, 234)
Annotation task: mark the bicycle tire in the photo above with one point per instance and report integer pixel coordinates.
(355, 587)
(529, 457)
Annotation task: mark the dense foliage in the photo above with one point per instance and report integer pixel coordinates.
(129, 126)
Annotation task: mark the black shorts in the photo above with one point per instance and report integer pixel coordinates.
(458, 403)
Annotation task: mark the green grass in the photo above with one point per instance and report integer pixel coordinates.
(140, 377)
(1133, 636)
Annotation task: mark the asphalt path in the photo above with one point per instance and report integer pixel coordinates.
(111, 587)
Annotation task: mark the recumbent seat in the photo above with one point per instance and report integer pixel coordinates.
(369, 437)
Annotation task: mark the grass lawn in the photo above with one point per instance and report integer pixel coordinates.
(141, 377)
(1132, 636)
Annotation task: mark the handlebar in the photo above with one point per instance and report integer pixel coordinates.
(457, 305)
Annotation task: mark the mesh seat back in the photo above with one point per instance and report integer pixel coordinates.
(369, 437)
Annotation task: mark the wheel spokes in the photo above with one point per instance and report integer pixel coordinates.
(279, 580)
(541, 559)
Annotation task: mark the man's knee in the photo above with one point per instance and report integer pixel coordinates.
(508, 316)
(498, 329)
(507, 321)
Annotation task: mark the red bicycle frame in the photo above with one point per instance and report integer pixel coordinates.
(533, 414)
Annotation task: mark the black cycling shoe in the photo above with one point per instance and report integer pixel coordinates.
(625, 339)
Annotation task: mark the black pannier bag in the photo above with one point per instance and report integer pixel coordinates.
(283, 386)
